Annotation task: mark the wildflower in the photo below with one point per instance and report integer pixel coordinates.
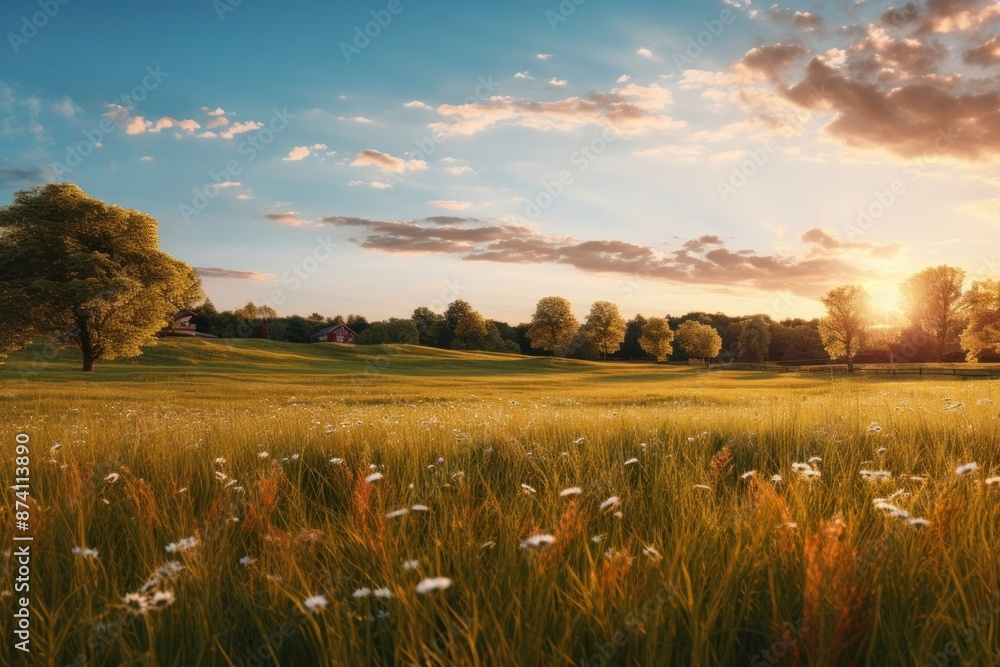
(618, 515)
(135, 603)
(295, 457)
(791, 525)
(398, 513)
(703, 487)
(875, 475)
(578, 441)
(597, 539)
(382, 593)
(182, 490)
(315, 603)
(538, 541)
(917, 522)
(610, 503)
(160, 599)
(459, 475)
(111, 478)
(420, 508)
(899, 493)
(221, 476)
(775, 479)
(335, 460)
(411, 564)
(652, 553)
(361, 593)
(262, 455)
(488, 545)
(571, 491)
(247, 561)
(169, 570)
(55, 448)
(874, 428)
(748, 474)
(220, 461)
(963, 470)
(992, 480)
(432, 584)
(527, 489)
(85, 552)
(182, 545)
(374, 477)
(814, 459)
(631, 461)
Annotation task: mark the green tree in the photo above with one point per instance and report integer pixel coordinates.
(982, 306)
(86, 273)
(754, 340)
(657, 338)
(393, 330)
(605, 327)
(553, 324)
(426, 320)
(932, 300)
(699, 340)
(847, 322)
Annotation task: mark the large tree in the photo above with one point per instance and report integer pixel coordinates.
(657, 338)
(699, 340)
(605, 327)
(754, 340)
(553, 324)
(83, 272)
(848, 319)
(932, 300)
(982, 305)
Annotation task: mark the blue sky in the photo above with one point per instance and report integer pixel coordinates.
(732, 176)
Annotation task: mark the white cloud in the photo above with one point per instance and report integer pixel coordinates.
(240, 128)
(450, 204)
(460, 171)
(146, 158)
(244, 197)
(645, 53)
(624, 78)
(557, 83)
(416, 104)
(543, 56)
(230, 184)
(65, 107)
(297, 153)
(386, 162)
(523, 75)
(378, 185)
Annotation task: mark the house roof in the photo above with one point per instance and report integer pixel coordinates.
(184, 312)
(323, 332)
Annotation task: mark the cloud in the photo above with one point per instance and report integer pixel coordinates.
(230, 184)
(645, 53)
(240, 128)
(630, 109)
(826, 242)
(557, 83)
(244, 196)
(703, 261)
(459, 171)
(65, 107)
(985, 209)
(984, 55)
(11, 173)
(378, 185)
(386, 163)
(416, 104)
(543, 56)
(624, 78)
(233, 274)
(146, 158)
(523, 75)
(298, 153)
(450, 204)
(290, 218)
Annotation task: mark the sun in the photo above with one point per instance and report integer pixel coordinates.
(885, 298)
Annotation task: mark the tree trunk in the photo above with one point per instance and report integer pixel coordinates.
(850, 364)
(86, 344)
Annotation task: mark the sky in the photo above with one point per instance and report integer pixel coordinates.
(372, 157)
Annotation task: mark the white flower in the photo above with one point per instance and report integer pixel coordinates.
(160, 599)
(420, 508)
(111, 478)
(411, 564)
(374, 477)
(432, 584)
(748, 474)
(578, 441)
(992, 480)
(814, 459)
(315, 603)
(631, 461)
(85, 552)
(262, 455)
(966, 469)
(247, 560)
(336, 460)
(527, 489)
(182, 545)
(703, 487)
(220, 461)
(875, 475)
(571, 491)
(610, 503)
(55, 448)
(597, 539)
(775, 479)
(791, 525)
(382, 593)
(538, 541)
(295, 457)
(398, 513)
(917, 522)
(135, 603)
(652, 553)
(170, 569)
(361, 593)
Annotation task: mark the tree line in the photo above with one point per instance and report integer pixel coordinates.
(75, 271)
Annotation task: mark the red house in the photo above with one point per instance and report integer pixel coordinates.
(181, 325)
(338, 333)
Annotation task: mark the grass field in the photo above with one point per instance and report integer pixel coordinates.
(260, 451)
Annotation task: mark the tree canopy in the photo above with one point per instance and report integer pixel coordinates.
(847, 322)
(76, 270)
(553, 324)
(657, 338)
(605, 327)
(699, 340)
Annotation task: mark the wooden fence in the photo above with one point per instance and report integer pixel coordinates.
(969, 370)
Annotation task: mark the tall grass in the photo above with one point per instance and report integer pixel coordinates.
(745, 571)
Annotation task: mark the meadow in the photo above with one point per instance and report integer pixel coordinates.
(259, 503)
